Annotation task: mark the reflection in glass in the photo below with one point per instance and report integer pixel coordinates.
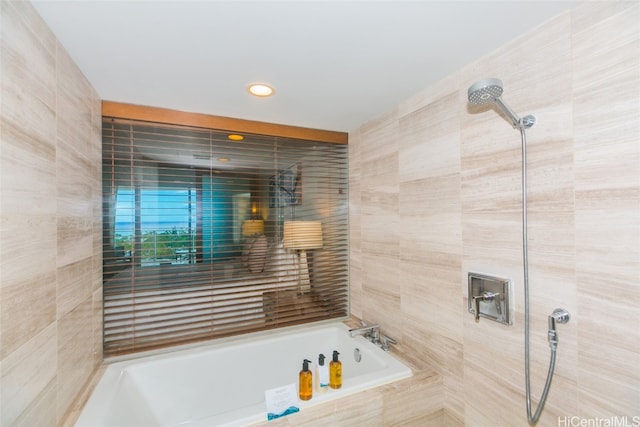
(183, 256)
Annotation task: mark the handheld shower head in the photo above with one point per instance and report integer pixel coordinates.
(485, 91)
(489, 91)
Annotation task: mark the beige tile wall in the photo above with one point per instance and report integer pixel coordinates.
(50, 223)
(435, 194)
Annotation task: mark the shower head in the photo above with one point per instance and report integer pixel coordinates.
(489, 91)
(485, 91)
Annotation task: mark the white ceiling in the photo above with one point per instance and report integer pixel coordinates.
(334, 64)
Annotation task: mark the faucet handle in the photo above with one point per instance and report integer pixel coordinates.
(386, 340)
(486, 296)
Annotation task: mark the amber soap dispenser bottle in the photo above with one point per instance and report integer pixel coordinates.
(335, 371)
(306, 381)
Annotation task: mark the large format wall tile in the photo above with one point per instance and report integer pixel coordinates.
(607, 165)
(27, 288)
(75, 353)
(26, 373)
(460, 210)
(50, 223)
(27, 168)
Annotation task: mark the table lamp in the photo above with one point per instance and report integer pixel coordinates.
(302, 236)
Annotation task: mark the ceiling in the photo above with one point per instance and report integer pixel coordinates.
(334, 64)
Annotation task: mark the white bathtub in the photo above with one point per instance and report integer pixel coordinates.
(223, 384)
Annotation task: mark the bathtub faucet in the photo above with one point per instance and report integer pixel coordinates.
(370, 332)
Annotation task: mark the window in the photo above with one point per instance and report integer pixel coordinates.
(195, 234)
(167, 224)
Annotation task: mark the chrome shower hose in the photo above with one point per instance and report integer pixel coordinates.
(532, 418)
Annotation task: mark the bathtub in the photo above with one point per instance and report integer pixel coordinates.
(223, 383)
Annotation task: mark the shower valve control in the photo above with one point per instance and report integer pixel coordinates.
(490, 297)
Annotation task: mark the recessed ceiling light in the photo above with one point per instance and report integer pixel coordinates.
(224, 159)
(235, 137)
(260, 89)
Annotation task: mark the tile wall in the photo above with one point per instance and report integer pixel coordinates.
(50, 223)
(435, 193)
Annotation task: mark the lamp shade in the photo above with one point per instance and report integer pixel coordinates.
(252, 226)
(302, 235)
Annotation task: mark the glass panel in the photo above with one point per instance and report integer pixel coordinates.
(193, 234)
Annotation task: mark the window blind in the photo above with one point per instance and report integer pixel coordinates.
(206, 237)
